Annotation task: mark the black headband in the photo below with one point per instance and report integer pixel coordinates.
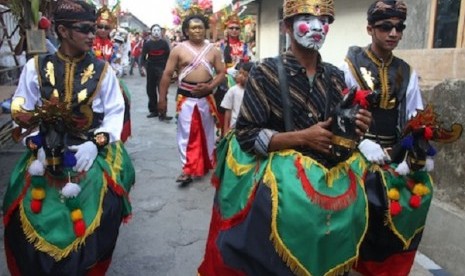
(69, 12)
(385, 9)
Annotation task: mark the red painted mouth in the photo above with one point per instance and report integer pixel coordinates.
(317, 37)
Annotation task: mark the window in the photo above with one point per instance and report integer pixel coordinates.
(448, 23)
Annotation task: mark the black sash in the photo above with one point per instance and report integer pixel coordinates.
(284, 87)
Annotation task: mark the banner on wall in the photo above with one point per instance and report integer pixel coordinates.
(220, 4)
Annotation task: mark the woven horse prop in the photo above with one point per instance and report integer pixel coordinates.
(414, 151)
(344, 140)
(53, 120)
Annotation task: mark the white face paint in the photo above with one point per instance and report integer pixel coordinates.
(156, 32)
(310, 31)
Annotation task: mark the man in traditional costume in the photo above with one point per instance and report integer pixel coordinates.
(104, 49)
(283, 205)
(136, 51)
(103, 46)
(155, 53)
(234, 51)
(388, 248)
(201, 70)
(68, 194)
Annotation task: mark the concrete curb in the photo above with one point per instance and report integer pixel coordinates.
(443, 239)
(430, 265)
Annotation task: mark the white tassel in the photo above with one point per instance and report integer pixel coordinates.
(41, 156)
(36, 168)
(429, 166)
(71, 190)
(403, 168)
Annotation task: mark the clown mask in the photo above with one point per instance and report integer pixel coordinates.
(310, 31)
(156, 32)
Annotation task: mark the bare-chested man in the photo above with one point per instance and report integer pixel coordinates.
(201, 70)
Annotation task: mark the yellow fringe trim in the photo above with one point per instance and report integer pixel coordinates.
(42, 245)
(332, 174)
(114, 158)
(292, 262)
(234, 166)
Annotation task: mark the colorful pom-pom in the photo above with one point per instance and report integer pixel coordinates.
(36, 206)
(37, 139)
(38, 193)
(428, 133)
(407, 142)
(79, 228)
(76, 215)
(403, 168)
(393, 194)
(431, 151)
(71, 190)
(44, 23)
(415, 201)
(418, 189)
(396, 208)
(36, 168)
(69, 160)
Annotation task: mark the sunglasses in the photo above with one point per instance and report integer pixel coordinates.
(234, 28)
(84, 28)
(106, 27)
(387, 27)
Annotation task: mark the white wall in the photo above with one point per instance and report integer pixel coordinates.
(268, 29)
(348, 29)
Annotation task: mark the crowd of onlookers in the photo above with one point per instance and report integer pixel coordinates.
(173, 38)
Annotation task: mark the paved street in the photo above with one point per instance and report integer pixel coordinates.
(167, 233)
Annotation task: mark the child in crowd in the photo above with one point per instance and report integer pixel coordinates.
(233, 98)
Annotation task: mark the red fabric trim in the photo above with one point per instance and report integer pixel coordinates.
(15, 204)
(214, 160)
(212, 263)
(115, 186)
(216, 181)
(186, 86)
(220, 123)
(239, 217)
(396, 265)
(127, 218)
(198, 161)
(11, 261)
(99, 268)
(126, 133)
(180, 100)
(119, 190)
(327, 202)
(219, 120)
